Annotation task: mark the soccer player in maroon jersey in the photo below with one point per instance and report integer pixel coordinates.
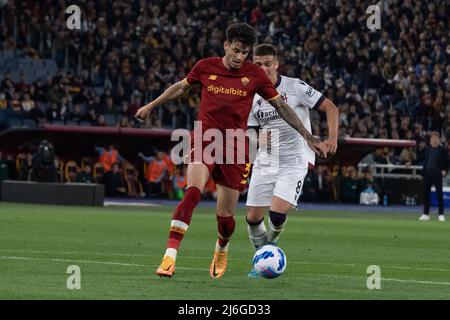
(228, 86)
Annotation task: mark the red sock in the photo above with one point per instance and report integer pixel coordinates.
(181, 217)
(226, 227)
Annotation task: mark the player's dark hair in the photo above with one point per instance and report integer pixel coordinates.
(241, 32)
(265, 49)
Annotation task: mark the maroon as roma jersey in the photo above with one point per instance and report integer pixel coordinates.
(227, 96)
(226, 101)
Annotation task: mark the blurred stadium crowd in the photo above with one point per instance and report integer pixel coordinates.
(157, 176)
(391, 83)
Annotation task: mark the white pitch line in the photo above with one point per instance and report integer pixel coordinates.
(358, 265)
(382, 279)
(77, 252)
(416, 281)
(92, 262)
(201, 269)
(203, 258)
(129, 204)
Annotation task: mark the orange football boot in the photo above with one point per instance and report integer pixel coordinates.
(167, 267)
(218, 265)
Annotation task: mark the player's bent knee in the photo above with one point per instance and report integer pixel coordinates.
(280, 205)
(199, 186)
(255, 214)
(225, 213)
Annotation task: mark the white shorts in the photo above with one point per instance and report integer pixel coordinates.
(286, 184)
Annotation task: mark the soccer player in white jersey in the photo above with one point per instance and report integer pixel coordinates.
(282, 163)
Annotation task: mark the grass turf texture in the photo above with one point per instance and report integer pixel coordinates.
(119, 248)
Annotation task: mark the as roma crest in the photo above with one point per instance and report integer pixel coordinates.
(245, 81)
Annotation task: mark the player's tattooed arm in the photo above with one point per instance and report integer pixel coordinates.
(173, 92)
(292, 119)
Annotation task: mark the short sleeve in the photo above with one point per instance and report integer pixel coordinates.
(252, 120)
(265, 87)
(308, 96)
(194, 75)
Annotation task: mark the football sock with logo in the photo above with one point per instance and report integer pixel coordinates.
(257, 232)
(277, 222)
(226, 227)
(181, 218)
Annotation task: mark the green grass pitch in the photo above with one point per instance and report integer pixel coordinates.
(119, 248)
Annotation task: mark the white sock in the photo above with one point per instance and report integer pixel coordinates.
(220, 248)
(171, 252)
(257, 234)
(274, 232)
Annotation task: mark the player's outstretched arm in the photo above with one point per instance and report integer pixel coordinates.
(291, 118)
(173, 92)
(332, 113)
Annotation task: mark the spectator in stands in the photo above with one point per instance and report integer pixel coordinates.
(25, 166)
(309, 190)
(179, 182)
(407, 156)
(339, 182)
(109, 156)
(350, 188)
(124, 122)
(16, 105)
(75, 114)
(22, 85)
(125, 109)
(156, 171)
(27, 104)
(3, 101)
(53, 113)
(317, 185)
(101, 122)
(148, 123)
(85, 175)
(136, 103)
(323, 178)
(44, 166)
(368, 181)
(7, 167)
(379, 156)
(110, 107)
(435, 168)
(120, 97)
(114, 182)
(4, 168)
(90, 117)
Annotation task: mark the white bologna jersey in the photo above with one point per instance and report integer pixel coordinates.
(301, 97)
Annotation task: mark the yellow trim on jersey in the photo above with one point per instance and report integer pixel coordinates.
(185, 80)
(273, 98)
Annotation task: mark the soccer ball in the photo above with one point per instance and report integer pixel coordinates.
(269, 261)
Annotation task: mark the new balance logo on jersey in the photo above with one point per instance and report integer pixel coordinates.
(212, 77)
